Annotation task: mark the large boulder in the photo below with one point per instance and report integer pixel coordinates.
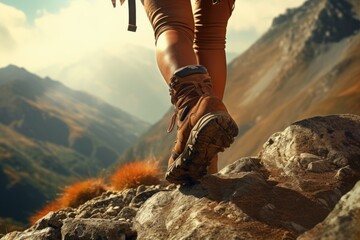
(319, 157)
(241, 205)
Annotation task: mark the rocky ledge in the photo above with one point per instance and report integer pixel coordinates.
(304, 184)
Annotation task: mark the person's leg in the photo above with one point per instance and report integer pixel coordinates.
(204, 126)
(209, 44)
(210, 38)
(173, 24)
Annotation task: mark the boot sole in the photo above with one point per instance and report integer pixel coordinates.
(211, 134)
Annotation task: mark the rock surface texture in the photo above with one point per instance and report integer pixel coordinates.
(304, 184)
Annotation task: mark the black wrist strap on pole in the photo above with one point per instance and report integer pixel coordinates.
(132, 16)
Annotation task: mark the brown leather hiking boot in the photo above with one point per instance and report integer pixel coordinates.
(204, 126)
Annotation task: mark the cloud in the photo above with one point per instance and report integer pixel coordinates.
(11, 15)
(13, 28)
(69, 34)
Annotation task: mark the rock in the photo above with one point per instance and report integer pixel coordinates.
(127, 213)
(93, 229)
(320, 166)
(307, 158)
(95, 219)
(112, 211)
(140, 189)
(345, 173)
(139, 199)
(342, 223)
(244, 206)
(43, 234)
(308, 155)
(52, 219)
(294, 188)
(182, 216)
(129, 194)
(245, 164)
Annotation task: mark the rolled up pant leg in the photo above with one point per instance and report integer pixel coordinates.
(173, 24)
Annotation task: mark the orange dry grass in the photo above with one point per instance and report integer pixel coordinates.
(80, 192)
(49, 207)
(134, 174)
(72, 196)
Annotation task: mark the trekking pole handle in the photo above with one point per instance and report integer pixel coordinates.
(132, 16)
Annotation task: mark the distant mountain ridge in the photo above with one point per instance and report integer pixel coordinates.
(51, 135)
(119, 77)
(306, 64)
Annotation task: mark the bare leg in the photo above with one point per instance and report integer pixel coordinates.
(173, 51)
(210, 33)
(216, 68)
(209, 44)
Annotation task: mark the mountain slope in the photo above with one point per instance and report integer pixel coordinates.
(306, 64)
(51, 135)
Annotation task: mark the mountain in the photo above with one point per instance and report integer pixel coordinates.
(119, 77)
(306, 64)
(50, 136)
(303, 184)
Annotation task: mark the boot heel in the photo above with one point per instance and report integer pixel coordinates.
(212, 134)
(215, 132)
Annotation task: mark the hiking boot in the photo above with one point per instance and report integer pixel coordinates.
(204, 126)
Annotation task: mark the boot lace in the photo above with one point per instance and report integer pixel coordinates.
(186, 95)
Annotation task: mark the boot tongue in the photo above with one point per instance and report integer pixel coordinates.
(185, 95)
(185, 91)
(186, 87)
(185, 98)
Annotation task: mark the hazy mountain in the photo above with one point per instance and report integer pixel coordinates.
(51, 135)
(306, 64)
(122, 78)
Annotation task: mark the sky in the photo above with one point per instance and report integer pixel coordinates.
(47, 37)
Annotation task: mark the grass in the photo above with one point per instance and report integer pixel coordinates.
(72, 196)
(134, 174)
(129, 175)
(80, 192)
